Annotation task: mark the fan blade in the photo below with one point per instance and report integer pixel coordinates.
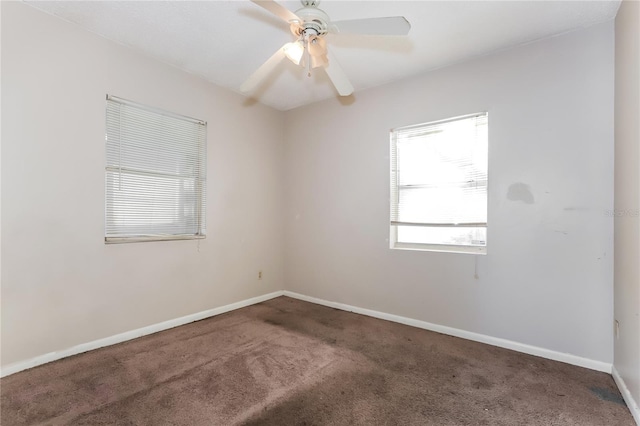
(393, 25)
(338, 77)
(278, 10)
(264, 70)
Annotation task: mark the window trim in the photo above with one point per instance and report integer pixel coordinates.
(393, 225)
(201, 197)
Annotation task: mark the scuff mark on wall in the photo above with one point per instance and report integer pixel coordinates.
(520, 192)
(571, 209)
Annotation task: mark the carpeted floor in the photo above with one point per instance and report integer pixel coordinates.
(288, 362)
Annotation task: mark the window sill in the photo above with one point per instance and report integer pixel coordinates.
(141, 239)
(442, 248)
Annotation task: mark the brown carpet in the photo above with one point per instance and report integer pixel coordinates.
(287, 362)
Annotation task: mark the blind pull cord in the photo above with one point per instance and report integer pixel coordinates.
(120, 147)
(475, 273)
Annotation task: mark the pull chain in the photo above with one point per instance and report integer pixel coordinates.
(308, 42)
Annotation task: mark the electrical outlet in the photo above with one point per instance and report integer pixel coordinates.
(259, 275)
(617, 329)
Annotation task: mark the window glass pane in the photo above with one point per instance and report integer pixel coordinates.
(439, 176)
(445, 204)
(155, 173)
(150, 205)
(149, 141)
(442, 235)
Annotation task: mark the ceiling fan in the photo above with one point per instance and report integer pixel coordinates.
(310, 25)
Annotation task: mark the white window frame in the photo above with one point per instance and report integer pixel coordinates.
(394, 201)
(196, 178)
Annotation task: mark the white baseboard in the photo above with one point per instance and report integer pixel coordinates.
(495, 341)
(154, 328)
(129, 335)
(626, 394)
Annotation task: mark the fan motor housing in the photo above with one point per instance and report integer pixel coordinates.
(313, 19)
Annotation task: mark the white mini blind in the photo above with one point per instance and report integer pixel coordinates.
(155, 174)
(439, 180)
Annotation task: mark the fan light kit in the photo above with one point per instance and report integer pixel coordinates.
(310, 25)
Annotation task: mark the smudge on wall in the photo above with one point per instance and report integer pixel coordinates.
(520, 192)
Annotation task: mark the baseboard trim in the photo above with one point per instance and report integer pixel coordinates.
(482, 338)
(133, 334)
(154, 328)
(626, 394)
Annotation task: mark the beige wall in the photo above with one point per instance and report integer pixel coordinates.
(627, 197)
(61, 285)
(547, 278)
(545, 282)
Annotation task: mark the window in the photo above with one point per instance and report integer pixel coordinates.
(439, 185)
(155, 175)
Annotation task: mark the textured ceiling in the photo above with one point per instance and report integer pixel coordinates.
(225, 41)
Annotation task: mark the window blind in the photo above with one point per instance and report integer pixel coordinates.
(439, 175)
(155, 174)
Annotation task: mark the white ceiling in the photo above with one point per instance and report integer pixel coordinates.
(225, 41)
